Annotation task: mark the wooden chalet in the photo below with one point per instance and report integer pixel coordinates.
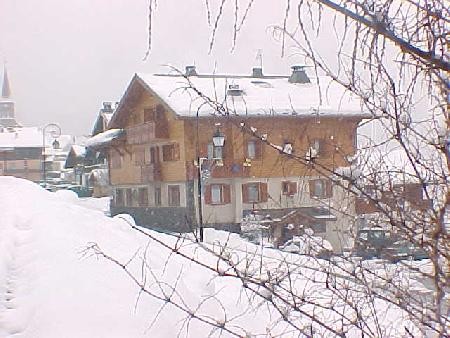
(168, 122)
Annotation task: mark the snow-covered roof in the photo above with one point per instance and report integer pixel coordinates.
(260, 96)
(104, 138)
(78, 150)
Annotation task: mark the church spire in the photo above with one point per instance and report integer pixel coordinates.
(6, 89)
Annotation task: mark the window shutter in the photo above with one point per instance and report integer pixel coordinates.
(312, 189)
(207, 194)
(203, 150)
(258, 149)
(245, 193)
(176, 152)
(226, 194)
(292, 188)
(329, 188)
(322, 147)
(264, 196)
(284, 187)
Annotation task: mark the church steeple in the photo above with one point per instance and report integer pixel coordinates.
(6, 89)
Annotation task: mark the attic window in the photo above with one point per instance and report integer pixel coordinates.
(262, 84)
(234, 90)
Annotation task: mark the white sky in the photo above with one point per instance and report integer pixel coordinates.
(66, 57)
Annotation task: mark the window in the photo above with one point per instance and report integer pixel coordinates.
(174, 195)
(217, 194)
(288, 188)
(143, 197)
(214, 152)
(320, 188)
(154, 155)
(129, 197)
(171, 152)
(149, 114)
(253, 150)
(119, 197)
(210, 154)
(157, 196)
(254, 192)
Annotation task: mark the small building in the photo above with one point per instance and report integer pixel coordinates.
(167, 124)
(89, 164)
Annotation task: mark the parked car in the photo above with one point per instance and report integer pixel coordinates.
(370, 242)
(403, 249)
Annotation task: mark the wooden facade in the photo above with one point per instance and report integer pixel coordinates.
(153, 170)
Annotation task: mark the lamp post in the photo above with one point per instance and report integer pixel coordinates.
(218, 143)
(55, 131)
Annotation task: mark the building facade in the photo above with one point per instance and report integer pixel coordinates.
(270, 126)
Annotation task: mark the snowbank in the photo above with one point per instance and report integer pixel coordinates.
(51, 285)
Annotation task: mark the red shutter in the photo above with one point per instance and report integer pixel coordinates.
(292, 188)
(264, 196)
(176, 152)
(226, 194)
(208, 194)
(322, 147)
(312, 190)
(329, 188)
(258, 149)
(245, 193)
(284, 187)
(203, 149)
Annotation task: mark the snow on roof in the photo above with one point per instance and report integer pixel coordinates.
(260, 96)
(31, 137)
(104, 138)
(78, 150)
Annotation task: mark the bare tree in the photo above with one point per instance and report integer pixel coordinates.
(392, 55)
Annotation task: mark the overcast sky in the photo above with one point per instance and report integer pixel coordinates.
(65, 57)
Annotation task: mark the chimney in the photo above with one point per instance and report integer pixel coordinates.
(299, 75)
(191, 71)
(257, 72)
(107, 106)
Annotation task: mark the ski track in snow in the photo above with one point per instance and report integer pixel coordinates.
(16, 277)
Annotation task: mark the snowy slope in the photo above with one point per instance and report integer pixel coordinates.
(51, 286)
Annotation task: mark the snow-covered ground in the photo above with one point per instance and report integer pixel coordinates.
(52, 285)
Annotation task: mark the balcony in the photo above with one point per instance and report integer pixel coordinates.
(147, 132)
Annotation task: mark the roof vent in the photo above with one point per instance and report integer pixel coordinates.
(107, 106)
(234, 90)
(191, 71)
(299, 75)
(257, 72)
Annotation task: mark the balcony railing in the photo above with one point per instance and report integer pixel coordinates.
(147, 132)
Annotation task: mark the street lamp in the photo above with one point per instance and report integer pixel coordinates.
(55, 131)
(218, 144)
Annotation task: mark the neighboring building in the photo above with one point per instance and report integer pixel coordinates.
(21, 153)
(391, 185)
(89, 165)
(152, 166)
(7, 113)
